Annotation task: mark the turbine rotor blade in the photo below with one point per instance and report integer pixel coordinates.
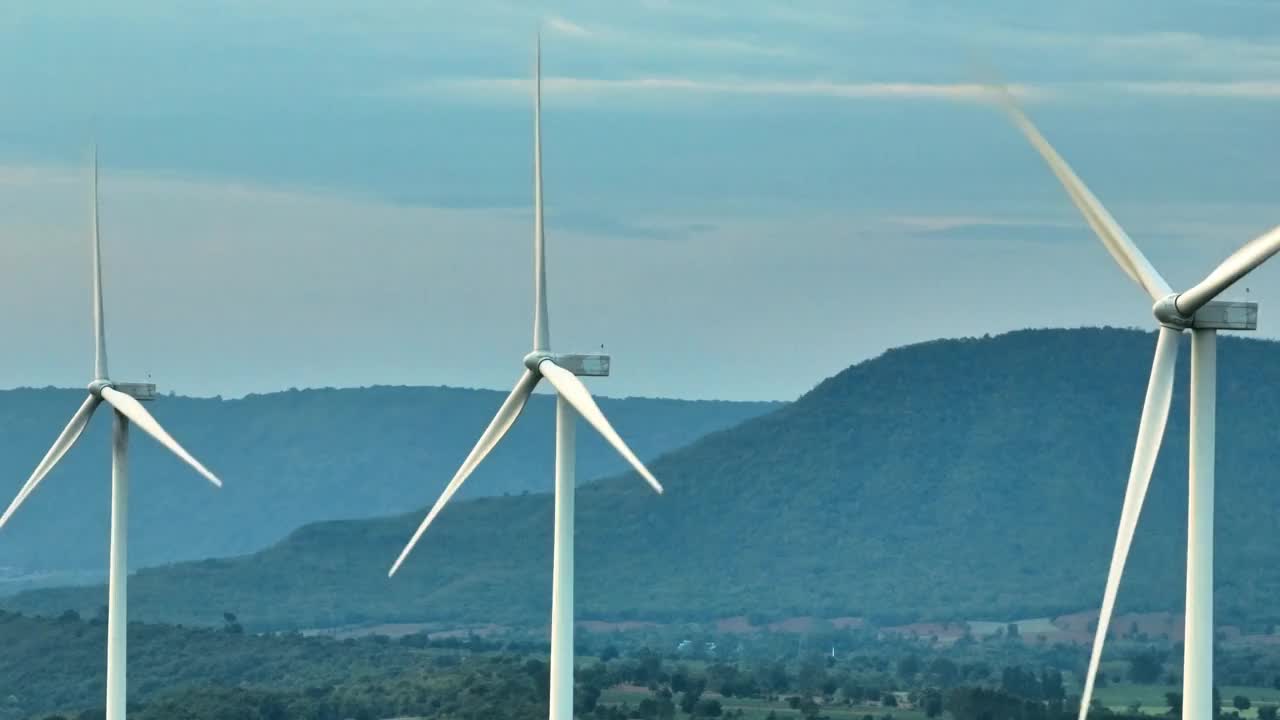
(572, 389)
(65, 440)
(99, 334)
(541, 323)
(1155, 412)
(1113, 237)
(489, 439)
(1237, 265)
(132, 409)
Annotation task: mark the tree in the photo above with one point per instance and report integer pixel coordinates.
(944, 672)
(1051, 685)
(932, 703)
(1267, 712)
(707, 708)
(1174, 701)
(1240, 702)
(588, 696)
(689, 700)
(609, 653)
(1146, 668)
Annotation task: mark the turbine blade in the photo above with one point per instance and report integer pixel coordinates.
(65, 440)
(541, 324)
(1113, 237)
(1237, 265)
(99, 334)
(1155, 412)
(489, 439)
(572, 389)
(132, 409)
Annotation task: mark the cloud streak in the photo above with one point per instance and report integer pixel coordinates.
(1243, 90)
(567, 27)
(676, 86)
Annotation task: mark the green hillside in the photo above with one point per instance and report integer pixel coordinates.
(289, 459)
(974, 478)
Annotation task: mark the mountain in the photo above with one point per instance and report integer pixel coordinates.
(288, 459)
(957, 479)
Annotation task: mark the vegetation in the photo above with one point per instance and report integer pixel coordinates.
(55, 666)
(292, 458)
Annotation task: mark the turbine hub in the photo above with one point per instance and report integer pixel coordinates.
(535, 358)
(1166, 312)
(95, 387)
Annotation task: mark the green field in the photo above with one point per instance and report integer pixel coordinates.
(1121, 696)
(754, 709)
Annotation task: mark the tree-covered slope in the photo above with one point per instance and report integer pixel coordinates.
(288, 459)
(975, 478)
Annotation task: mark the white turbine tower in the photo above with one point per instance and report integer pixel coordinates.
(1194, 310)
(572, 399)
(123, 399)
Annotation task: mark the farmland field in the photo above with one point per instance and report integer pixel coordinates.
(1152, 697)
(756, 709)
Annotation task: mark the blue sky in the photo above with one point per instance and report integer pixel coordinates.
(742, 198)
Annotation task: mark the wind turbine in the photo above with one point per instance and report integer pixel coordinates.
(124, 401)
(1196, 310)
(572, 399)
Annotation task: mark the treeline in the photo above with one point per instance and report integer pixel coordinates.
(56, 666)
(487, 688)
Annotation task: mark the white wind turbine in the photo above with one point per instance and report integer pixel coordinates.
(1195, 310)
(123, 399)
(572, 399)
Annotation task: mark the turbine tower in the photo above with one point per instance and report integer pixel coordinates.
(124, 401)
(1195, 310)
(572, 400)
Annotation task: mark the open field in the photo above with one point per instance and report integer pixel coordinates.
(1152, 697)
(754, 709)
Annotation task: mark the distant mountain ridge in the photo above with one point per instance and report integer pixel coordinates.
(955, 479)
(288, 459)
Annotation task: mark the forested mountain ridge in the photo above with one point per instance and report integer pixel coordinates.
(971, 478)
(292, 458)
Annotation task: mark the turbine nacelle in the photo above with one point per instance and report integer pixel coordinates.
(145, 392)
(580, 364)
(1213, 315)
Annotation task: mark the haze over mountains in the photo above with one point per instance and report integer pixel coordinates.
(974, 478)
(292, 458)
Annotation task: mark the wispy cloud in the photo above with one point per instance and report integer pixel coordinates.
(932, 223)
(1246, 90)
(665, 40)
(567, 27)
(688, 86)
